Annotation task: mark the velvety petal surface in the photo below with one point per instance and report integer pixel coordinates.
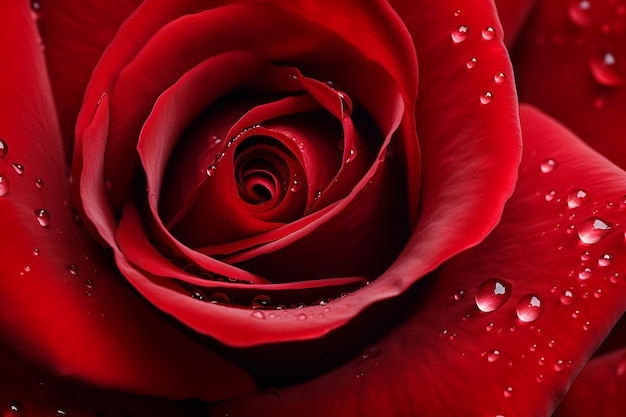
(74, 34)
(513, 15)
(503, 328)
(64, 307)
(570, 61)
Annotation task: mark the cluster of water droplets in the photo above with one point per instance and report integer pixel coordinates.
(459, 35)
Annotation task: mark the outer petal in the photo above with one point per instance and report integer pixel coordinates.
(513, 15)
(449, 358)
(570, 61)
(62, 306)
(74, 35)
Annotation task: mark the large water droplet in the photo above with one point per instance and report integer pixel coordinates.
(529, 308)
(219, 298)
(460, 34)
(4, 185)
(605, 70)
(593, 229)
(43, 217)
(4, 148)
(568, 298)
(492, 293)
(486, 97)
(577, 198)
(605, 259)
(578, 12)
(471, 63)
(489, 33)
(261, 301)
(548, 165)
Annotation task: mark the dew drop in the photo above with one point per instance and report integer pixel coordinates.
(499, 78)
(585, 256)
(36, 251)
(370, 352)
(261, 301)
(493, 356)
(492, 293)
(471, 63)
(4, 185)
(73, 269)
(578, 12)
(593, 229)
(605, 259)
(605, 70)
(458, 296)
(550, 195)
(489, 327)
(219, 298)
(210, 171)
(586, 325)
(43, 217)
(559, 365)
(577, 198)
(4, 148)
(529, 308)
(568, 298)
(15, 409)
(258, 315)
(486, 97)
(548, 165)
(489, 33)
(295, 186)
(508, 392)
(18, 168)
(584, 273)
(457, 13)
(198, 295)
(301, 317)
(460, 34)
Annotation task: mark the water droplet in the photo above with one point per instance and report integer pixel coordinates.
(36, 251)
(317, 195)
(4, 185)
(457, 13)
(359, 375)
(499, 78)
(261, 301)
(27, 268)
(60, 413)
(18, 168)
(529, 308)
(593, 229)
(460, 34)
(4, 148)
(578, 12)
(219, 298)
(43, 217)
(486, 97)
(301, 317)
(198, 295)
(605, 70)
(585, 256)
(471, 63)
(508, 392)
(493, 356)
(586, 325)
(577, 198)
(258, 315)
(559, 365)
(576, 314)
(605, 259)
(295, 186)
(548, 165)
(584, 273)
(458, 296)
(210, 170)
(550, 195)
(492, 294)
(73, 269)
(568, 298)
(489, 33)
(15, 409)
(370, 352)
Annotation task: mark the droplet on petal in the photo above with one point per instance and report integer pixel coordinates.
(605, 70)
(605, 259)
(489, 33)
(584, 273)
(73, 269)
(460, 34)
(578, 12)
(499, 78)
(471, 63)
(18, 168)
(493, 356)
(261, 301)
(577, 198)
(15, 409)
(548, 165)
(258, 315)
(492, 293)
(4, 148)
(4, 185)
(568, 298)
(43, 217)
(529, 308)
(486, 97)
(593, 229)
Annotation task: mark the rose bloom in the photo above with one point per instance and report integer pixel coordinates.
(295, 208)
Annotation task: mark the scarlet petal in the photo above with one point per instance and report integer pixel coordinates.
(77, 317)
(570, 61)
(449, 358)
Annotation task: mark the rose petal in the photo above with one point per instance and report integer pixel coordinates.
(499, 362)
(63, 307)
(513, 15)
(570, 62)
(74, 35)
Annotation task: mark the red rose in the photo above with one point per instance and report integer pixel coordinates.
(290, 228)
